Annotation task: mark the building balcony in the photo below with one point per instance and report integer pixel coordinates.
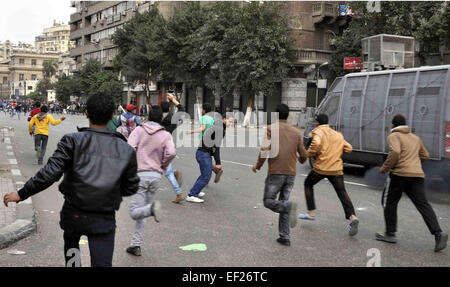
(75, 17)
(76, 34)
(324, 12)
(311, 56)
(77, 51)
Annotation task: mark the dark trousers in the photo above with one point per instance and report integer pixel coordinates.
(101, 247)
(40, 143)
(338, 184)
(279, 184)
(205, 162)
(100, 229)
(415, 190)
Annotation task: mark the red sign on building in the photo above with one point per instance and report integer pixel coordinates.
(353, 63)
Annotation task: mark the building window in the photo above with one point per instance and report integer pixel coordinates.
(30, 87)
(33, 62)
(5, 80)
(33, 77)
(21, 61)
(21, 77)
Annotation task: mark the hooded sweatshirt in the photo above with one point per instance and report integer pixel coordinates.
(154, 147)
(406, 153)
(41, 121)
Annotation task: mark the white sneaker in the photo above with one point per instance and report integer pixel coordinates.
(194, 199)
(201, 194)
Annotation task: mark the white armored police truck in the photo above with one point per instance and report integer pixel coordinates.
(361, 106)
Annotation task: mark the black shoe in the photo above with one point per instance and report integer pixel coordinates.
(441, 241)
(283, 241)
(386, 237)
(134, 250)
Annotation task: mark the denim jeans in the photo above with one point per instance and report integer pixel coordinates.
(281, 184)
(169, 173)
(205, 162)
(40, 143)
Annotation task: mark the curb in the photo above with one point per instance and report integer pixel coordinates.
(25, 223)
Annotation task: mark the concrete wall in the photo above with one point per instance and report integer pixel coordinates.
(293, 94)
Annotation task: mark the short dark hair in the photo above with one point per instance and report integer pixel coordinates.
(283, 111)
(44, 109)
(37, 104)
(207, 107)
(100, 108)
(322, 119)
(165, 106)
(398, 120)
(155, 114)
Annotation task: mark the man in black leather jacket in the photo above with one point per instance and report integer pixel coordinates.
(99, 168)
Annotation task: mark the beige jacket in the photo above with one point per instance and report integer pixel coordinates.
(326, 149)
(283, 145)
(406, 153)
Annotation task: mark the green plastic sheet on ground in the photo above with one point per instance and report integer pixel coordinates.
(194, 247)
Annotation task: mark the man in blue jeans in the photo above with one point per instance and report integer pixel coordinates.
(283, 146)
(203, 155)
(172, 175)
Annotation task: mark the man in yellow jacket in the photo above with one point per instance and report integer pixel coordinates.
(42, 121)
(326, 149)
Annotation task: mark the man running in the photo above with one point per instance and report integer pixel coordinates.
(172, 175)
(42, 121)
(220, 134)
(92, 193)
(404, 162)
(203, 156)
(154, 151)
(128, 121)
(326, 149)
(283, 144)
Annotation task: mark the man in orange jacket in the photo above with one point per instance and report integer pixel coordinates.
(326, 149)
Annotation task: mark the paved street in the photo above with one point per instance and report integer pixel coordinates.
(234, 225)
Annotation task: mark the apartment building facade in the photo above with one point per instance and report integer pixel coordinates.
(54, 39)
(313, 25)
(66, 65)
(25, 71)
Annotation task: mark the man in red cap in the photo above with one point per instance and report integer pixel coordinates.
(128, 121)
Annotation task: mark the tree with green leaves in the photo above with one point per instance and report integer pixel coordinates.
(143, 45)
(256, 53)
(92, 78)
(42, 88)
(49, 68)
(67, 86)
(36, 96)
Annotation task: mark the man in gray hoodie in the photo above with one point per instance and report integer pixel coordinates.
(154, 151)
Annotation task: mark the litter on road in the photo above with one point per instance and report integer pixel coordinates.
(194, 247)
(16, 252)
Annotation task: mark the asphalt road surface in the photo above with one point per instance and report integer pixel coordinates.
(232, 222)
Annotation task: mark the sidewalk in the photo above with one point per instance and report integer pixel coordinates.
(17, 220)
